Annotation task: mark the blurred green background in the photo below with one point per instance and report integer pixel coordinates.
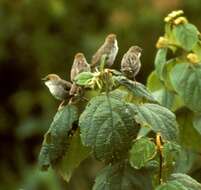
(38, 37)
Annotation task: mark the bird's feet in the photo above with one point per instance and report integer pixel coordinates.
(61, 105)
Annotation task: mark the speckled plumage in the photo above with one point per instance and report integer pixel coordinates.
(130, 63)
(109, 48)
(79, 65)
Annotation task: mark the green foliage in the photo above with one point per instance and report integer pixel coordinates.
(175, 83)
(84, 78)
(122, 176)
(180, 182)
(189, 136)
(55, 141)
(128, 127)
(197, 123)
(160, 62)
(186, 35)
(158, 118)
(185, 78)
(108, 126)
(141, 152)
(171, 152)
(138, 90)
(74, 154)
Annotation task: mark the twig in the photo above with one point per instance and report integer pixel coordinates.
(159, 149)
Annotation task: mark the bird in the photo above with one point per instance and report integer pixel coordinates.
(130, 63)
(58, 87)
(79, 65)
(109, 48)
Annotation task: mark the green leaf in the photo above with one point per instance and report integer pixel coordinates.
(185, 79)
(179, 181)
(197, 123)
(84, 78)
(186, 181)
(108, 126)
(75, 153)
(122, 177)
(138, 90)
(189, 136)
(186, 35)
(160, 62)
(168, 99)
(185, 161)
(56, 139)
(153, 82)
(144, 131)
(170, 154)
(171, 185)
(141, 152)
(197, 49)
(160, 119)
(43, 159)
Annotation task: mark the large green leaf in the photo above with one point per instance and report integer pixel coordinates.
(122, 177)
(186, 79)
(141, 152)
(186, 35)
(185, 161)
(56, 139)
(108, 126)
(189, 136)
(160, 62)
(186, 181)
(75, 153)
(172, 185)
(138, 90)
(160, 119)
(179, 181)
(166, 97)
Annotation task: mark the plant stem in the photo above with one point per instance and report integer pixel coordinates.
(159, 148)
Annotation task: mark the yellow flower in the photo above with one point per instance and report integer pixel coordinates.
(174, 14)
(180, 20)
(193, 58)
(162, 42)
(167, 19)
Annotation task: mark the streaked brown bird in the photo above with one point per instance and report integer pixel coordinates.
(109, 48)
(130, 63)
(79, 65)
(58, 87)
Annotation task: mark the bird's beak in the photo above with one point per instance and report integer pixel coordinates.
(44, 79)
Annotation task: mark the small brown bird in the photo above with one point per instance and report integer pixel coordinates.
(130, 63)
(58, 87)
(109, 48)
(79, 65)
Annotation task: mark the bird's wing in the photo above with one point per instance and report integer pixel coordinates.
(67, 85)
(96, 57)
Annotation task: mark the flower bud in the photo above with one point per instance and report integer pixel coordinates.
(174, 14)
(180, 20)
(193, 58)
(162, 42)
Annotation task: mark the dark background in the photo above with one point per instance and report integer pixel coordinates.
(38, 37)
